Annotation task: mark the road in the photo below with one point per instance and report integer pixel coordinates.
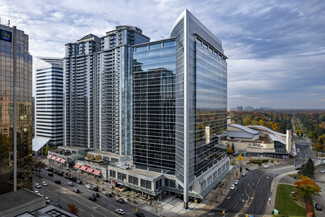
(257, 185)
(303, 151)
(104, 206)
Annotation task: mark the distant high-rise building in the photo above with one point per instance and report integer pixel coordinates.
(15, 110)
(49, 99)
(248, 108)
(239, 108)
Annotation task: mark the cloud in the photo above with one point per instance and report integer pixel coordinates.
(276, 49)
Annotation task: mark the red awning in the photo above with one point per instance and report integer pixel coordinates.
(76, 166)
(62, 161)
(49, 156)
(97, 172)
(83, 168)
(114, 181)
(58, 159)
(89, 170)
(53, 157)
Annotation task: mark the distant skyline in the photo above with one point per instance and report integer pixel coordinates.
(276, 49)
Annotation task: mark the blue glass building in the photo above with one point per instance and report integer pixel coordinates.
(154, 74)
(197, 114)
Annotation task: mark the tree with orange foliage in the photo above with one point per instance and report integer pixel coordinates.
(306, 187)
(72, 208)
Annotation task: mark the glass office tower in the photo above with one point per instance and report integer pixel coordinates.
(201, 99)
(154, 77)
(15, 110)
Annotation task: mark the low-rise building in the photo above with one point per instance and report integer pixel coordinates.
(258, 140)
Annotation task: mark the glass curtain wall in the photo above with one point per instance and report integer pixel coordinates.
(154, 76)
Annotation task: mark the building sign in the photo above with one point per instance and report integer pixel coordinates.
(5, 35)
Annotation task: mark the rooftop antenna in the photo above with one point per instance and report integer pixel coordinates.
(162, 37)
(8, 22)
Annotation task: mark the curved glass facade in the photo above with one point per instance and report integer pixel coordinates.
(23, 124)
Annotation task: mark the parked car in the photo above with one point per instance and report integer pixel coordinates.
(48, 199)
(322, 171)
(37, 185)
(236, 182)
(57, 204)
(70, 183)
(108, 194)
(120, 211)
(232, 187)
(94, 188)
(96, 195)
(89, 186)
(120, 200)
(79, 182)
(60, 173)
(92, 198)
(76, 190)
(37, 192)
(46, 168)
(318, 207)
(50, 174)
(57, 181)
(248, 169)
(244, 173)
(50, 169)
(139, 214)
(44, 183)
(74, 179)
(266, 166)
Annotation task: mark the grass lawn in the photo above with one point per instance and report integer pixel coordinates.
(285, 204)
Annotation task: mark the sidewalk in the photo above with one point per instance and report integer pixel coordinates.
(274, 187)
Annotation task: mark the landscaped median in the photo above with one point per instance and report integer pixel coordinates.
(285, 204)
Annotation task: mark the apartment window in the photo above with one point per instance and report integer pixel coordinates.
(215, 175)
(158, 183)
(112, 173)
(210, 180)
(133, 180)
(121, 176)
(172, 183)
(203, 185)
(145, 184)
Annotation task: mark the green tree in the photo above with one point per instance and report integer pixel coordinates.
(307, 169)
(47, 149)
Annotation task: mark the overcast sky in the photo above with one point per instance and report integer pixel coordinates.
(276, 49)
